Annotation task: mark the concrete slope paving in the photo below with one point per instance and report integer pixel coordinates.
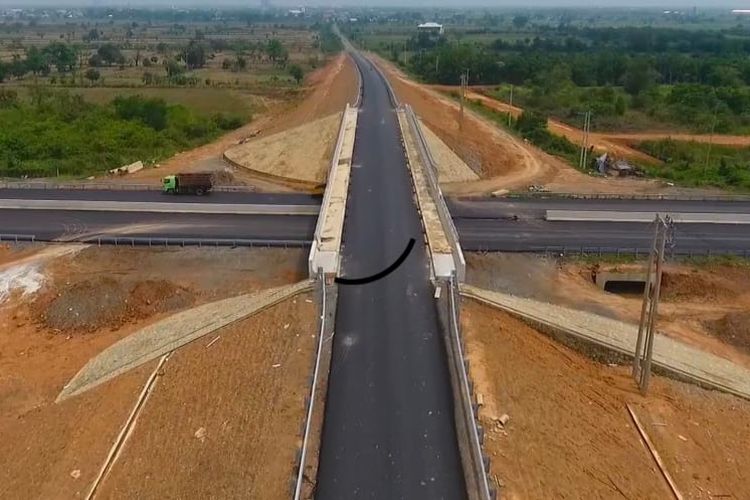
(669, 354)
(175, 331)
(388, 430)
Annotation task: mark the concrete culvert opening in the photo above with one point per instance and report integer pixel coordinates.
(625, 287)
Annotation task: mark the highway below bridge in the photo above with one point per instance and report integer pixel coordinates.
(491, 224)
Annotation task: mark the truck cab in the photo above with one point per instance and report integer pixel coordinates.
(169, 184)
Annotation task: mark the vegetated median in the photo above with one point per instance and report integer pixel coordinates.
(56, 133)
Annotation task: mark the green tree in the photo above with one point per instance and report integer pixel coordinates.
(151, 112)
(8, 98)
(173, 68)
(296, 71)
(62, 55)
(520, 21)
(110, 54)
(18, 67)
(638, 77)
(92, 75)
(276, 51)
(36, 61)
(92, 35)
(195, 55)
(620, 106)
(241, 63)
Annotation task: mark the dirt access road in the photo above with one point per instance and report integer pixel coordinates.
(570, 435)
(502, 160)
(614, 142)
(326, 92)
(81, 301)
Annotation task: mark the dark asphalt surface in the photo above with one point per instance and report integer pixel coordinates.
(537, 235)
(529, 233)
(50, 225)
(488, 208)
(158, 196)
(476, 234)
(388, 431)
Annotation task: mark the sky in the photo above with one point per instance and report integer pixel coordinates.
(673, 4)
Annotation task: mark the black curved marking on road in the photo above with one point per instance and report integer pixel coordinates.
(382, 274)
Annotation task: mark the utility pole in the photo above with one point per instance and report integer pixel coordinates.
(464, 84)
(510, 110)
(711, 140)
(585, 141)
(588, 137)
(644, 346)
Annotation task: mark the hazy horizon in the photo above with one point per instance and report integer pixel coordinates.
(640, 4)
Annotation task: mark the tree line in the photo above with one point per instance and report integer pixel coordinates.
(52, 133)
(66, 58)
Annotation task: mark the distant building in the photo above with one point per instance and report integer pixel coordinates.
(430, 28)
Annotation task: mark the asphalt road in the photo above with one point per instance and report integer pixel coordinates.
(51, 225)
(158, 196)
(482, 225)
(539, 235)
(388, 431)
(492, 208)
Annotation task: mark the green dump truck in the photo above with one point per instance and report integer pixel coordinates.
(196, 183)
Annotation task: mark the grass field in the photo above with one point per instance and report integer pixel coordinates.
(202, 100)
(206, 101)
(699, 164)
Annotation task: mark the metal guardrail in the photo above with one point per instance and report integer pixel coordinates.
(313, 387)
(358, 101)
(620, 196)
(437, 195)
(475, 465)
(17, 238)
(143, 241)
(619, 251)
(199, 242)
(107, 186)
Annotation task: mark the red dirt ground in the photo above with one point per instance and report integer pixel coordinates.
(570, 434)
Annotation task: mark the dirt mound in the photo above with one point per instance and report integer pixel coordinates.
(152, 297)
(90, 305)
(227, 178)
(691, 286)
(733, 329)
